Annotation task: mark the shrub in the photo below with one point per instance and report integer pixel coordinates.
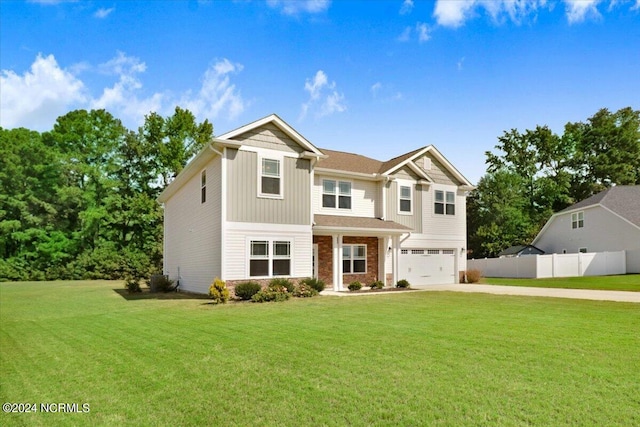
(269, 294)
(377, 285)
(280, 283)
(160, 283)
(246, 290)
(218, 292)
(403, 284)
(315, 283)
(132, 284)
(304, 291)
(355, 286)
(473, 276)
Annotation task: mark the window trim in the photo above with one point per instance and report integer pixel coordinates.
(406, 184)
(271, 256)
(352, 258)
(577, 220)
(336, 194)
(280, 160)
(444, 203)
(203, 186)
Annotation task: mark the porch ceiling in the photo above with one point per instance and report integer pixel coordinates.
(355, 225)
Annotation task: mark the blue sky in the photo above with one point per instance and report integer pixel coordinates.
(378, 78)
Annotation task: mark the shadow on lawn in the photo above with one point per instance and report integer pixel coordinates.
(146, 294)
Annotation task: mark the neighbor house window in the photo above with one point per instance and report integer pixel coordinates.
(582, 250)
(270, 258)
(577, 220)
(445, 203)
(270, 178)
(354, 258)
(336, 194)
(203, 186)
(405, 199)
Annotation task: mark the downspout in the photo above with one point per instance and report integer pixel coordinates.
(214, 150)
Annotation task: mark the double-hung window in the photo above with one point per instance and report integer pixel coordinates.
(354, 259)
(270, 258)
(577, 220)
(203, 186)
(445, 202)
(336, 194)
(404, 199)
(270, 178)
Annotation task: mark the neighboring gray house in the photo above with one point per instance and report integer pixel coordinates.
(520, 250)
(608, 221)
(261, 201)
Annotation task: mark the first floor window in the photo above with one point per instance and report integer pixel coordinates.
(445, 203)
(354, 258)
(577, 220)
(270, 177)
(270, 258)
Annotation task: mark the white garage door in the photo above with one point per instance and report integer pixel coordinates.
(427, 266)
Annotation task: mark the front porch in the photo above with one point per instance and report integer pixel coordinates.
(348, 249)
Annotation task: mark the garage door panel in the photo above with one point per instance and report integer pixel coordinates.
(427, 266)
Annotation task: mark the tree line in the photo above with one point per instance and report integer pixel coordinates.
(79, 201)
(536, 173)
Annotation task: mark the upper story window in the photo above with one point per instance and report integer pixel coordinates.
(203, 186)
(577, 220)
(270, 178)
(445, 203)
(336, 194)
(405, 199)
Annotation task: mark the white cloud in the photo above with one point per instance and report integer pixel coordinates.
(295, 7)
(122, 98)
(35, 99)
(407, 7)
(579, 10)
(323, 96)
(460, 63)
(46, 91)
(217, 93)
(384, 93)
(103, 13)
(421, 29)
(423, 32)
(375, 88)
(406, 35)
(455, 13)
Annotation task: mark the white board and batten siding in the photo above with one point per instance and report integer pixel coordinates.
(192, 232)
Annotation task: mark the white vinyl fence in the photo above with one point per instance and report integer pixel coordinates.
(559, 265)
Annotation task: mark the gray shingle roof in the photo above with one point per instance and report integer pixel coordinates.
(343, 161)
(624, 200)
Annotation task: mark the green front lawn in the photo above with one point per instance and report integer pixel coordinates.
(627, 282)
(420, 358)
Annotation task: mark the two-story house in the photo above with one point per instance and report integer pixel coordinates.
(261, 201)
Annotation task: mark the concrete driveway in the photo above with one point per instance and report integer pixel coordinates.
(620, 296)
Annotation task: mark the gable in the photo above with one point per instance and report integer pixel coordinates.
(406, 173)
(269, 136)
(438, 172)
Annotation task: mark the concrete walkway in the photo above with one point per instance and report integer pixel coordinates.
(620, 296)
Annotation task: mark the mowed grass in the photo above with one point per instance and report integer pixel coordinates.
(420, 358)
(627, 282)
